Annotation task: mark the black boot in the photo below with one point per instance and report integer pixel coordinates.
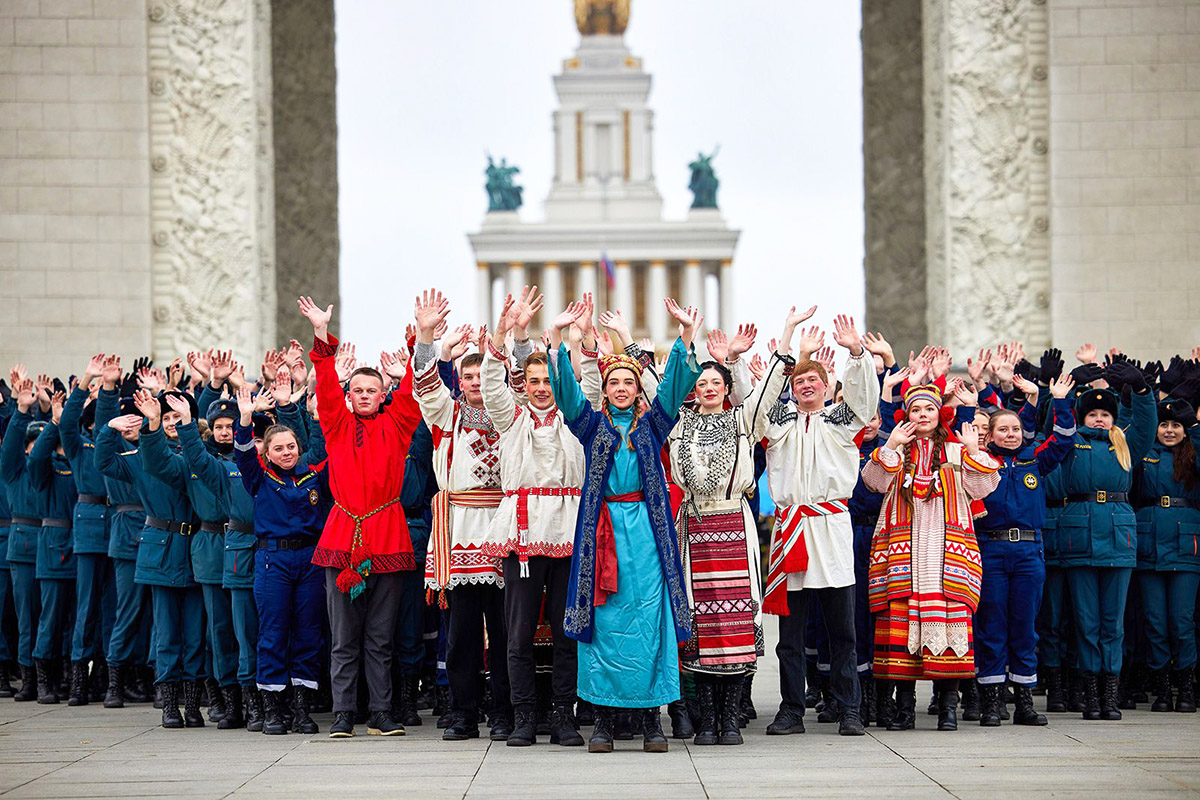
(97, 681)
(706, 706)
(408, 700)
(601, 740)
(1075, 701)
(905, 718)
(274, 723)
(748, 709)
(885, 702)
(585, 713)
(653, 738)
(1006, 697)
(932, 710)
(787, 721)
(989, 705)
(1089, 695)
(255, 714)
(234, 715)
(46, 690)
(343, 725)
(136, 684)
(866, 691)
(1056, 697)
(216, 703)
(502, 725)
(622, 725)
(1024, 714)
(1125, 691)
(303, 721)
(1186, 702)
(564, 730)
(465, 725)
(970, 700)
(192, 718)
(681, 720)
(830, 709)
(158, 695)
(171, 718)
(427, 693)
(812, 679)
(1162, 691)
(6, 689)
(62, 677)
(79, 684)
(524, 731)
(729, 713)
(28, 690)
(441, 707)
(948, 709)
(1110, 687)
(113, 698)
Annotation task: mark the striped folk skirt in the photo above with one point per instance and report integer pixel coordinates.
(893, 661)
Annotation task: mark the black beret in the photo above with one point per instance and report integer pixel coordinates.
(34, 430)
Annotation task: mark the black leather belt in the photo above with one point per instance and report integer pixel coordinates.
(5, 523)
(239, 527)
(212, 527)
(864, 519)
(32, 522)
(1059, 503)
(1169, 502)
(294, 543)
(94, 499)
(129, 509)
(1012, 535)
(158, 523)
(51, 522)
(1099, 497)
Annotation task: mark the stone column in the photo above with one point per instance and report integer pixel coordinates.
(726, 314)
(623, 292)
(515, 281)
(587, 280)
(483, 291)
(693, 284)
(656, 290)
(986, 139)
(552, 291)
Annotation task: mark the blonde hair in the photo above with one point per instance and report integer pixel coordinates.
(1116, 437)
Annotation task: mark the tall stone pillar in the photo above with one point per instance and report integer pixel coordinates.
(726, 315)
(483, 291)
(656, 290)
(693, 284)
(587, 280)
(552, 292)
(623, 292)
(515, 280)
(986, 203)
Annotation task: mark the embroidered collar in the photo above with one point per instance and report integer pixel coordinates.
(547, 418)
(471, 418)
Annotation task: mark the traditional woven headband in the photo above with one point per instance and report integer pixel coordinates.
(619, 361)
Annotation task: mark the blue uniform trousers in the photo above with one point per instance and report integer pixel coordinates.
(221, 641)
(1098, 595)
(864, 638)
(52, 622)
(178, 633)
(5, 590)
(26, 601)
(1006, 620)
(93, 576)
(132, 607)
(1055, 647)
(409, 650)
(289, 591)
(1169, 612)
(245, 629)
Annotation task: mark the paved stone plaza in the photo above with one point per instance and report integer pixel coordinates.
(56, 751)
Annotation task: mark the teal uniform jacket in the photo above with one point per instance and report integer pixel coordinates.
(222, 478)
(1094, 534)
(164, 460)
(1168, 539)
(22, 497)
(51, 476)
(91, 528)
(124, 526)
(163, 557)
(1055, 503)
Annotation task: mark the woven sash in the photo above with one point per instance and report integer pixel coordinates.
(606, 547)
(439, 532)
(788, 550)
(523, 494)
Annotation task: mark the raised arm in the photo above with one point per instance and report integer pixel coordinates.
(40, 466)
(679, 378)
(567, 393)
(111, 461)
(12, 450)
(860, 387)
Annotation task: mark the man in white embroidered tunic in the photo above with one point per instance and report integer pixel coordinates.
(466, 461)
(812, 468)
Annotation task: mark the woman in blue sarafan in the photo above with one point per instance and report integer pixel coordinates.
(626, 603)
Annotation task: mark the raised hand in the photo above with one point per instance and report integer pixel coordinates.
(1086, 354)
(795, 320)
(180, 405)
(110, 372)
(1051, 364)
(93, 370)
(319, 319)
(394, 364)
(151, 379)
(1061, 386)
(344, 362)
(264, 401)
(902, 435)
(1087, 373)
(507, 317)
(758, 368)
(56, 405)
(570, 316)
(977, 366)
(200, 363)
(742, 342)
(430, 311)
(455, 343)
(272, 361)
(966, 393)
(941, 362)
(281, 388)
(1027, 387)
(891, 380)
(148, 404)
(523, 311)
(125, 424)
(845, 334)
(824, 357)
(619, 327)
(718, 345)
(877, 345)
(811, 340)
(968, 434)
(25, 393)
(689, 319)
(587, 328)
(42, 386)
(245, 402)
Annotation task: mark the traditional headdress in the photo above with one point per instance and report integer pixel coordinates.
(934, 392)
(620, 361)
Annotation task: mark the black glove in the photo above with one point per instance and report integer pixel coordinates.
(1115, 358)
(1086, 373)
(5, 392)
(1152, 372)
(1187, 389)
(1121, 373)
(1173, 374)
(1027, 370)
(1052, 364)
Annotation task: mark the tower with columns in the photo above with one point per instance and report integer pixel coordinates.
(604, 201)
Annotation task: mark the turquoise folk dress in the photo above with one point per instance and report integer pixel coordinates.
(632, 658)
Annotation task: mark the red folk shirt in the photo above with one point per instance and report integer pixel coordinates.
(366, 470)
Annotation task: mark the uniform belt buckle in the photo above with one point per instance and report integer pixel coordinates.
(283, 544)
(1014, 534)
(186, 528)
(1101, 496)
(1165, 501)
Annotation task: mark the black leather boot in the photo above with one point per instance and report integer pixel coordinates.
(601, 740)
(6, 689)
(729, 715)
(1110, 687)
(216, 702)
(524, 731)
(274, 723)
(502, 725)
(830, 710)
(1074, 680)
(970, 700)
(885, 702)
(989, 705)
(303, 721)
(748, 709)
(47, 693)
(812, 682)
(1186, 702)
(585, 713)
(653, 738)
(866, 692)
(79, 684)
(1162, 691)
(681, 720)
(905, 718)
(409, 691)
(1089, 695)
(706, 717)
(137, 684)
(465, 725)
(441, 707)
(1126, 698)
(28, 690)
(932, 710)
(158, 695)
(192, 718)
(564, 730)
(171, 718)
(1056, 696)
(947, 710)
(234, 715)
(1024, 713)
(113, 697)
(97, 681)
(622, 725)
(253, 700)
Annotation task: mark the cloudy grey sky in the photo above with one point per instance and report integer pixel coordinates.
(424, 88)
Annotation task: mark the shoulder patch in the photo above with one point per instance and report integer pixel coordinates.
(1031, 481)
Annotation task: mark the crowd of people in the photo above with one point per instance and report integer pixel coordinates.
(545, 534)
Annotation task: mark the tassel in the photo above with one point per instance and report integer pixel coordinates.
(361, 554)
(347, 580)
(442, 603)
(356, 590)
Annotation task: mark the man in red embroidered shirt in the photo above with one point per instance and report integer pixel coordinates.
(365, 544)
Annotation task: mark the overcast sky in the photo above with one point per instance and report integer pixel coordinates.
(425, 88)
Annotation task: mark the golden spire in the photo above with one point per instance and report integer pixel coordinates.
(602, 16)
